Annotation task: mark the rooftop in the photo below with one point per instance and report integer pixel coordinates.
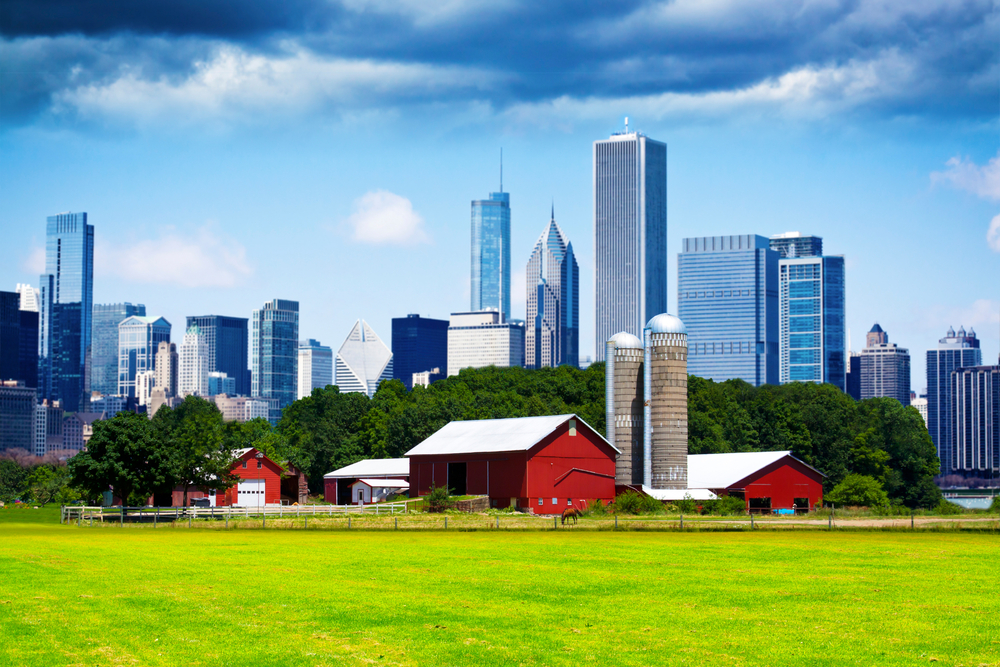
(373, 468)
(518, 434)
(720, 471)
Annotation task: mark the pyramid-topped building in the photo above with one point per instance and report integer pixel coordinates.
(363, 361)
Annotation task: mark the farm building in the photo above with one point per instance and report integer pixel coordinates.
(254, 489)
(765, 480)
(365, 491)
(541, 464)
(337, 484)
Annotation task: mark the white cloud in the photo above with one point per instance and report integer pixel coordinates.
(993, 234)
(983, 314)
(35, 261)
(384, 218)
(198, 259)
(964, 174)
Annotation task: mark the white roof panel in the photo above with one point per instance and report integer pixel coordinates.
(720, 471)
(679, 494)
(373, 468)
(518, 434)
(385, 483)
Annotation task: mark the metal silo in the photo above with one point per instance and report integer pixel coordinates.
(665, 417)
(623, 404)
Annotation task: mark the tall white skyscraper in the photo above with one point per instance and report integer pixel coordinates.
(552, 325)
(193, 371)
(363, 361)
(315, 366)
(29, 297)
(630, 233)
(483, 338)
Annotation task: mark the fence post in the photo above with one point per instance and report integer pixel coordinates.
(91, 518)
(682, 522)
(348, 522)
(305, 523)
(830, 521)
(616, 522)
(397, 523)
(227, 521)
(263, 518)
(911, 520)
(446, 523)
(79, 518)
(155, 515)
(189, 518)
(554, 524)
(498, 523)
(123, 516)
(751, 522)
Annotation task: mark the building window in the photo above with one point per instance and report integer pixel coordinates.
(569, 501)
(572, 427)
(244, 464)
(260, 464)
(539, 502)
(555, 501)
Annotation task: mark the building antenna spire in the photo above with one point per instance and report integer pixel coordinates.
(553, 209)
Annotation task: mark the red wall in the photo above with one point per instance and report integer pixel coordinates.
(578, 468)
(330, 491)
(269, 471)
(782, 482)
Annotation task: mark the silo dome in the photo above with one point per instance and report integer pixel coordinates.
(664, 323)
(625, 340)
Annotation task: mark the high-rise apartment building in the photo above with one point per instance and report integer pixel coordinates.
(630, 233)
(145, 382)
(552, 325)
(727, 296)
(274, 355)
(483, 338)
(490, 284)
(193, 371)
(66, 301)
(419, 344)
(104, 351)
(363, 361)
(167, 370)
(920, 403)
(812, 320)
(885, 368)
(315, 367)
(795, 244)
(976, 418)
(17, 416)
(139, 339)
(954, 351)
(228, 342)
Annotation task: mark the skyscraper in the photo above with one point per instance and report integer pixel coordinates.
(885, 368)
(955, 350)
(192, 374)
(976, 419)
(812, 320)
(275, 354)
(66, 304)
(363, 361)
(854, 375)
(484, 338)
(29, 297)
(227, 339)
(552, 326)
(104, 355)
(315, 366)
(166, 370)
(794, 244)
(630, 233)
(419, 344)
(139, 339)
(490, 284)
(727, 296)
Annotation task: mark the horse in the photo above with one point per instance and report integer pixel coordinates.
(571, 513)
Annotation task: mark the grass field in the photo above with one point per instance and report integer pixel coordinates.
(139, 596)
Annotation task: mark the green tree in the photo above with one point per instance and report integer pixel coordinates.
(123, 455)
(859, 491)
(13, 481)
(46, 482)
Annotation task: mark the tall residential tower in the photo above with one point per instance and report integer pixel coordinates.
(885, 368)
(552, 326)
(490, 285)
(954, 351)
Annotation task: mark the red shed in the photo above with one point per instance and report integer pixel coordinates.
(260, 481)
(766, 480)
(543, 463)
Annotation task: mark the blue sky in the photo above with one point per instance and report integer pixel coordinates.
(233, 152)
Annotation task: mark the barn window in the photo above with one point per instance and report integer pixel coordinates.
(572, 427)
(539, 502)
(555, 501)
(569, 501)
(260, 464)
(244, 464)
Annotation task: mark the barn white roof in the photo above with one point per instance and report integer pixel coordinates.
(373, 468)
(679, 494)
(385, 483)
(517, 434)
(720, 471)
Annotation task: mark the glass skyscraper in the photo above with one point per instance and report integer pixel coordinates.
(491, 253)
(552, 326)
(954, 351)
(812, 320)
(727, 297)
(65, 311)
(630, 234)
(419, 344)
(139, 339)
(795, 244)
(315, 367)
(104, 354)
(274, 355)
(228, 340)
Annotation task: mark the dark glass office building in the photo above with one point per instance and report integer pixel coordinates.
(275, 354)
(227, 347)
(418, 344)
(727, 296)
(954, 351)
(976, 416)
(104, 353)
(66, 307)
(10, 336)
(490, 286)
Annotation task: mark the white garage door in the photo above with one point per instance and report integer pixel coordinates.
(250, 493)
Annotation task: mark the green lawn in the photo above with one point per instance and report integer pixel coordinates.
(139, 596)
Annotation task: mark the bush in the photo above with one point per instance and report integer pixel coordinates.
(995, 505)
(596, 508)
(724, 506)
(631, 502)
(947, 507)
(859, 491)
(439, 499)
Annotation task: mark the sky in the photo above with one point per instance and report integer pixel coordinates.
(232, 152)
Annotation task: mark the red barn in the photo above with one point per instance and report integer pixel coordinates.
(260, 481)
(766, 480)
(544, 464)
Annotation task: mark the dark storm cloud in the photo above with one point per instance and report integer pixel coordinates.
(941, 57)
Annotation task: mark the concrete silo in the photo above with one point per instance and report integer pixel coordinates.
(623, 404)
(665, 429)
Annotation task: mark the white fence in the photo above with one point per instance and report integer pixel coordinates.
(81, 514)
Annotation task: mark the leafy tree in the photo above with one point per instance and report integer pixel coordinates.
(125, 455)
(13, 480)
(859, 491)
(46, 482)
(439, 499)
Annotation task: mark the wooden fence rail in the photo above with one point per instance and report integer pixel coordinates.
(78, 513)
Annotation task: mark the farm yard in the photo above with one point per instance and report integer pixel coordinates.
(205, 595)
